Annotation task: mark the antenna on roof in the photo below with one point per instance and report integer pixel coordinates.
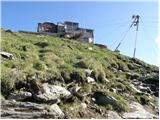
(135, 23)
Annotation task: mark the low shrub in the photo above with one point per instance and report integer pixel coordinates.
(42, 44)
(39, 66)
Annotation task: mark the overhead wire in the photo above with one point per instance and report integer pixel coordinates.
(122, 39)
(147, 34)
(113, 31)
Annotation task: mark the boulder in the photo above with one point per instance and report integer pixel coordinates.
(102, 99)
(29, 110)
(20, 96)
(52, 93)
(137, 112)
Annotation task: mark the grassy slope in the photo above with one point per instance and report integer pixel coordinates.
(48, 58)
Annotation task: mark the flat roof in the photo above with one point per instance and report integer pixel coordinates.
(71, 22)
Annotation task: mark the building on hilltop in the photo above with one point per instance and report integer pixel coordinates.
(47, 27)
(67, 29)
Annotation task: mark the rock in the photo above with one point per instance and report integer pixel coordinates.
(113, 90)
(34, 85)
(138, 62)
(127, 95)
(83, 105)
(1, 97)
(137, 65)
(75, 89)
(114, 69)
(103, 99)
(105, 79)
(29, 110)
(57, 111)
(90, 48)
(113, 115)
(20, 96)
(7, 55)
(132, 75)
(151, 81)
(90, 80)
(145, 89)
(88, 72)
(134, 88)
(93, 99)
(52, 93)
(137, 112)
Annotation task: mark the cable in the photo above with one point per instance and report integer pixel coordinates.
(146, 33)
(123, 38)
(114, 24)
(113, 31)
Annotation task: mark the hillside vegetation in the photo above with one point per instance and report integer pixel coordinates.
(68, 63)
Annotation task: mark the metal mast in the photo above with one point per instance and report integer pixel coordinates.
(135, 22)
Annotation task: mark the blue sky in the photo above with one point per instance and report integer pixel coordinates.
(109, 20)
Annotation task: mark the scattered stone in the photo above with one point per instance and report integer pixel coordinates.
(145, 89)
(114, 69)
(134, 88)
(88, 72)
(132, 76)
(7, 55)
(113, 90)
(137, 65)
(83, 105)
(75, 89)
(105, 79)
(1, 97)
(90, 48)
(20, 96)
(90, 80)
(93, 99)
(127, 95)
